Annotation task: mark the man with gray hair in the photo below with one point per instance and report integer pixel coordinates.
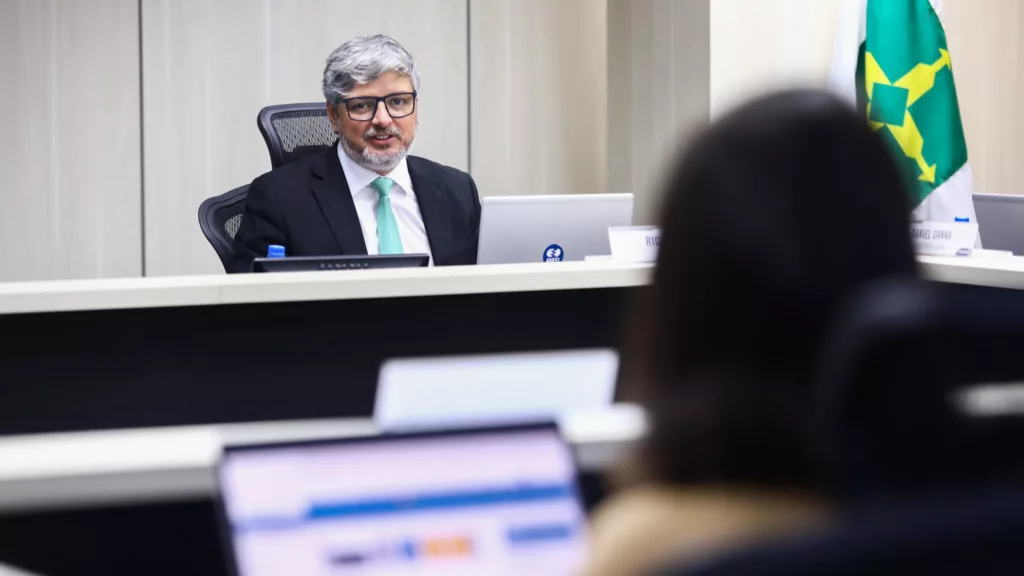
(365, 195)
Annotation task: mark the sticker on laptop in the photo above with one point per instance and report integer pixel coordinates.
(554, 253)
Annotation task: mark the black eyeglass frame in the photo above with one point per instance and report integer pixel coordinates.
(376, 105)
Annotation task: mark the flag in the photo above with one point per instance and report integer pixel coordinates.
(891, 60)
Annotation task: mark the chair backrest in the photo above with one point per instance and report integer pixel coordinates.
(220, 217)
(892, 417)
(977, 533)
(292, 131)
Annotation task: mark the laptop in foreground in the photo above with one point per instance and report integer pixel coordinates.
(498, 501)
(487, 389)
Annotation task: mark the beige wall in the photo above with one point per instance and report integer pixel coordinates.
(538, 97)
(759, 45)
(988, 64)
(658, 81)
(69, 148)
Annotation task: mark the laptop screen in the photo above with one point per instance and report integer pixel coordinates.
(470, 502)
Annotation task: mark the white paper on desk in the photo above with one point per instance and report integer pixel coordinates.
(944, 238)
(493, 388)
(634, 243)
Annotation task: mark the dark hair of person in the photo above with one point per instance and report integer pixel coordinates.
(774, 216)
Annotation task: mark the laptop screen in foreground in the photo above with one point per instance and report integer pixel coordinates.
(488, 502)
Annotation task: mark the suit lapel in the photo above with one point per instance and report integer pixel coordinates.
(331, 190)
(432, 197)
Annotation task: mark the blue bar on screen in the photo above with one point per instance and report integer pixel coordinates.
(540, 533)
(440, 501)
(319, 511)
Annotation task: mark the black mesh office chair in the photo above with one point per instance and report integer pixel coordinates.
(220, 217)
(892, 413)
(292, 131)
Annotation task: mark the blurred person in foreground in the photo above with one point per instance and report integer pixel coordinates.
(774, 217)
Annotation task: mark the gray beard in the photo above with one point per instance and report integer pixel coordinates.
(375, 161)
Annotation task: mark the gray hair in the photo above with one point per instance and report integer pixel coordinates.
(364, 59)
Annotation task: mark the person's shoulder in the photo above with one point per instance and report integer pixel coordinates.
(646, 527)
(436, 170)
(295, 170)
(636, 531)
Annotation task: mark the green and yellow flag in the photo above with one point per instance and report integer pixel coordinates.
(892, 60)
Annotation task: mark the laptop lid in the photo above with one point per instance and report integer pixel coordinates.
(1001, 221)
(569, 227)
(493, 388)
(486, 501)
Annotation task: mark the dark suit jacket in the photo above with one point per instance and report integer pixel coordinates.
(306, 207)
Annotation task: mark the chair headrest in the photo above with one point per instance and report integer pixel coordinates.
(898, 366)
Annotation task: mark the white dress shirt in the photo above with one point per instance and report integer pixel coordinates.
(411, 228)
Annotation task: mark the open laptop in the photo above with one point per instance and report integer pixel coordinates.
(516, 229)
(498, 501)
(493, 388)
(1001, 221)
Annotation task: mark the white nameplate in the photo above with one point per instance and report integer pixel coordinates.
(944, 238)
(634, 243)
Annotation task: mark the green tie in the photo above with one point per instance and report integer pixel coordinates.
(388, 240)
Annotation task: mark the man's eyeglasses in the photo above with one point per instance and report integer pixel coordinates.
(364, 108)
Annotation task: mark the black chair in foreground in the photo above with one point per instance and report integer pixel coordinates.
(938, 535)
(292, 131)
(901, 382)
(918, 431)
(220, 217)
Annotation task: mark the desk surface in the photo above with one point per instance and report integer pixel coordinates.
(156, 292)
(993, 271)
(43, 471)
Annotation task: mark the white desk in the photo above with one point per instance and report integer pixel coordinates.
(160, 464)
(996, 271)
(157, 292)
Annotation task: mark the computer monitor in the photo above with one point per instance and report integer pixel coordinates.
(330, 263)
(493, 388)
(1001, 221)
(517, 229)
(498, 501)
